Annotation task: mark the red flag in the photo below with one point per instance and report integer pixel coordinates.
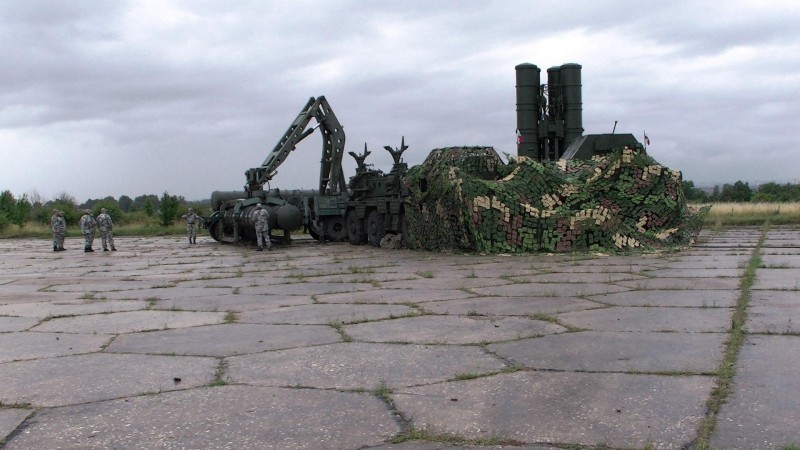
(519, 137)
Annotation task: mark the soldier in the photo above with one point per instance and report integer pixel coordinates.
(54, 227)
(191, 218)
(262, 227)
(61, 231)
(106, 230)
(88, 225)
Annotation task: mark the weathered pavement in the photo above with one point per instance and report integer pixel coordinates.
(165, 345)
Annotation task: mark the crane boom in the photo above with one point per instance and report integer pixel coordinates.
(331, 177)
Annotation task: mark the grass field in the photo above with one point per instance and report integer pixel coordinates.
(730, 214)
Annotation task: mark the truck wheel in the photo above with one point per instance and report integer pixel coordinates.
(215, 230)
(335, 229)
(314, 232)
(375, 229)
(355, 229)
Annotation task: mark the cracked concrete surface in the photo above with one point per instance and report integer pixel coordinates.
(165, 345)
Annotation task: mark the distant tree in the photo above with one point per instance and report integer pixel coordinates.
(169, 209)
(737, 192)
(64, 202)
(7, 204)
(767, 192)
(148, 208)
(715, 193)
(22, 211)
(140, 202)
(125, 203)
(692, 193)
(774, 192)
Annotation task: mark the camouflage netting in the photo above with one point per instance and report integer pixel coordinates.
(466, 198)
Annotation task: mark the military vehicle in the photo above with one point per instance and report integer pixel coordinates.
(372, 207)
(233, 219)
(371, 204)
(550, 117)
(375, 204)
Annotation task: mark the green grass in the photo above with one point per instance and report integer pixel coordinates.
(339, 327)
(736, 336)
(230, 317)
(413, 434)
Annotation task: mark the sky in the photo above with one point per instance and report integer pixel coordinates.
(112, 98)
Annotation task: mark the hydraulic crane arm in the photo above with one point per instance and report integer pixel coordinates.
(331, 177)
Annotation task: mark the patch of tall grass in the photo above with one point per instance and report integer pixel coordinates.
(753, 214)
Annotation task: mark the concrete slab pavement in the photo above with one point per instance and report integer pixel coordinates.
(166, 345)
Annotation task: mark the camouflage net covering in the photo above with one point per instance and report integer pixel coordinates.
(467, 199)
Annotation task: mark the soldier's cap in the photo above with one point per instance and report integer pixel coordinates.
(190, 209)
(102, 210)
(87, 211)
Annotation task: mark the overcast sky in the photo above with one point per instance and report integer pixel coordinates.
(103, 98)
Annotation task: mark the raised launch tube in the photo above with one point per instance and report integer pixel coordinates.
(573, 106)
(528, 76)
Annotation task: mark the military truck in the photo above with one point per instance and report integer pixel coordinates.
(233, 219)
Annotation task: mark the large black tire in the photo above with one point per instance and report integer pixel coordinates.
(336, 229)
(214, 231)
(375, 229)
(355, 229)
(314, 232)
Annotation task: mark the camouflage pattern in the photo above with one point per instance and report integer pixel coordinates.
(261, 224)
(54, 227)
(191, 219)
(61, 231)
(88, 225)
(59, 228)
(466, 198)
(106, 227)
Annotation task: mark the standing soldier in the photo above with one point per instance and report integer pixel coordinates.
(87, 224)
(61, 231)
(106, 229)
(262, 227)
(191, 218)
(54, 226)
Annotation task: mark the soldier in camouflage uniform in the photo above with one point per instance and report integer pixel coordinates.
(60, 231)
(88, 225)
(191, 218)
(106, 230)
(262, 227)
(54, 227)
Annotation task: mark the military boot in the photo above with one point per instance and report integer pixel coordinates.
(105, 249)
(88, 249)
(55, 248)
(113, 249)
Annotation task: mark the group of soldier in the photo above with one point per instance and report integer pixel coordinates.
(88, 224)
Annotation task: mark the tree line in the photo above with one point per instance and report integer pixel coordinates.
(167, 208)
(144, 208)
(742, 192)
